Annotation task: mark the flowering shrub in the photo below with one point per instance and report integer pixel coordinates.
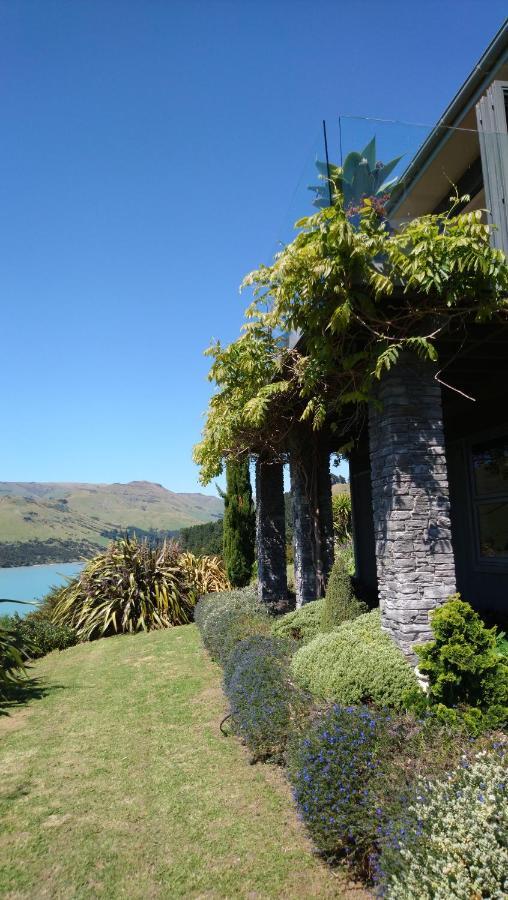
(337, 772)
(226, 618)
(265, 704)
(302, 624)
(452, 843)
(356, 663)
(464, 666)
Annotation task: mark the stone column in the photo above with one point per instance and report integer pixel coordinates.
(271, 533)
(304, 549)
(311, 491)
(410, 500)
(324, 515)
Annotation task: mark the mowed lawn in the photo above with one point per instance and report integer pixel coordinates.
(118, 783)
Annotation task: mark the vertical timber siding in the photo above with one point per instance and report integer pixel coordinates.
(271, 533)
(410, 500)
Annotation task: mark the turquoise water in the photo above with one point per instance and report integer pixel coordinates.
(31, 583)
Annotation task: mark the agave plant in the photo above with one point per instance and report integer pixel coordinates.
(130, 587)
(361, 176)
(206, 573)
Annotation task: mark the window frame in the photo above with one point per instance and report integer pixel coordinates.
(483, 563)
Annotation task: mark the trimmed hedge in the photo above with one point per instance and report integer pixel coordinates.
(228, 617)
(357, 663)
(265, 704)
(302, 624)
(340, 604)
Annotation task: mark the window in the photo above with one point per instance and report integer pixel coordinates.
(490, 499)
(491, 117)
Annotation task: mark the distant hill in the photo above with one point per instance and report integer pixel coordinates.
(60, 521)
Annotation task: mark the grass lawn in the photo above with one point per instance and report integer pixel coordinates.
(118, 783)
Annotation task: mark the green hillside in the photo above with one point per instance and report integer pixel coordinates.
(57, 522)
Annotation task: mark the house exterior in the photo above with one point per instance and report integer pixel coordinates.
(429, 470)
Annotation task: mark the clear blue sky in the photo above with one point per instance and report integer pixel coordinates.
(149, 157)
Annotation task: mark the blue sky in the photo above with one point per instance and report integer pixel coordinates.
(153, 152)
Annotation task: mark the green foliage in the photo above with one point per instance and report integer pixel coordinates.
(203, 540)
(340, 604)
(452, 841)
(239, 523)
(341, 506)
(206, 574)
(130, 587)
(356, 663)
(14, 651)
(42, 635)
(346, 287)
(464, 666)
(266, 706)
(302, 625)
(226, 618)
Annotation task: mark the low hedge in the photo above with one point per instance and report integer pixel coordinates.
(302, 624)
(356, 663)
(226, 618)
(265, 704)
(42, 635)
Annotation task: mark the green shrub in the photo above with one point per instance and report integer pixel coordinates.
(340, 604)
(226, 618)
(337, 770)
(130, 587)
(452, 841)
(265, 704)
(14, 652)
(357, 663)
(464, 666)
(302, 624)
(42, 635)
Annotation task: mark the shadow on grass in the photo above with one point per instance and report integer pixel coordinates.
(18, 695)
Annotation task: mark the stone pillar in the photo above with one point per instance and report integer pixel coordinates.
(325, 515)
(311, 491)
(304, 550)
(410, 500)
(271, 533)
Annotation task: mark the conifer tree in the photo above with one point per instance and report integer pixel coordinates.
(239, 523)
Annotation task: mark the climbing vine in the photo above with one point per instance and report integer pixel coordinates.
(360, 294)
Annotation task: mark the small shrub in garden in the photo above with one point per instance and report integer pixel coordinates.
(226, 618)
(340, 604)
(43, 635)
(452, 842)
(337, 772)
(464, 666)
(302, 624)
(356, 663)
(265, 704)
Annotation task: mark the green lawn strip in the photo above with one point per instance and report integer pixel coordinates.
(118, 783)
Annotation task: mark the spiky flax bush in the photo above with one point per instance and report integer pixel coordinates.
(356, 663)
(130, 587)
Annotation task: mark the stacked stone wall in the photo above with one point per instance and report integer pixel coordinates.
(410, 499)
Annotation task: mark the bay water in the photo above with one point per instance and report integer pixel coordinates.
(31, 583)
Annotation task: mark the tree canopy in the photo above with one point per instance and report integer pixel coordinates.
(360, 293)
